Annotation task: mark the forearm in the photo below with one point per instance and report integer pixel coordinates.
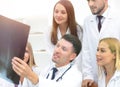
(33, 78)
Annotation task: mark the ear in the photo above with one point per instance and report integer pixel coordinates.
(73, 56)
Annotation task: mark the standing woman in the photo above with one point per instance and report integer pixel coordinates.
(63, 23)
(108, 60)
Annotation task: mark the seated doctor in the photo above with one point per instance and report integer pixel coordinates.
(108, 60)
(63, 73)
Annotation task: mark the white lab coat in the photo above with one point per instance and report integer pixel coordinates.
(26, 82)
(72, 78)
(114, 81)
(5, 83)
(91, 37)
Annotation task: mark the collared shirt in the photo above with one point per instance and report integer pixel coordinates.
(72, 77)
(105, 15)
(91, 35)
(113, 82)
(59, 73)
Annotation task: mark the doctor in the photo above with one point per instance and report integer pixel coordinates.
(67, 73)
(110, 27)
(108, 60)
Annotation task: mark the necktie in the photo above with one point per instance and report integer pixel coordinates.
(16, 85)
(99, 22)
(54, 71)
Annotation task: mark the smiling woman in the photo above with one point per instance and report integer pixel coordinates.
(108, 60)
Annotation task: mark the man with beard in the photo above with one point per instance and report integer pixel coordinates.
(102, 23)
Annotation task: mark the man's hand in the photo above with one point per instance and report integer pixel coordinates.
(87, 83)
(22, 69)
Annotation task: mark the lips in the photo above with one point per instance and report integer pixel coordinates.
(55, 56)
(99, 59)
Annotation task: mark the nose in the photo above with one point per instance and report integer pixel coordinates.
(97, 53)
(57, 49)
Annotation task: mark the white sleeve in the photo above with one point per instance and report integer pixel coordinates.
(86, 58)
(49, 46)
(5, 83)
(27, 82)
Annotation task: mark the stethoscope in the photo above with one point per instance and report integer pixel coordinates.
(61, 75)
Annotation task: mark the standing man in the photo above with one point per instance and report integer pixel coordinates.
(102, 23)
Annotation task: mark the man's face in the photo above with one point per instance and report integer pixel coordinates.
(63, 53)
(97, 7)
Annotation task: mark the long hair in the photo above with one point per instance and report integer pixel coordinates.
(114, 46)
(31, 61)
(72, 24)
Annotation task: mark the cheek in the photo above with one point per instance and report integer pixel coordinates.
(26, 57)
(107, 60)
(66, 17)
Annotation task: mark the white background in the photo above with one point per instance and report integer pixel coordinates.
(23, 8)
(38, 14)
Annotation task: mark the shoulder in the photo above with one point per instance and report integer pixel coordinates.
(74, 70)
(79, 31)
(90, 17)
(114, 14)
(79, 27)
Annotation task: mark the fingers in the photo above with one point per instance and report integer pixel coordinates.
(19, 66)
(90, 83)
(87, 83)
(84, 83)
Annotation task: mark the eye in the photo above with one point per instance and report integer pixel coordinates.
(56, 11)
(63, 12)
(103, 50)
(64, 48)
(26, 51)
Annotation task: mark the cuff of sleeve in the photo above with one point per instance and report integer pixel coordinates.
(88, 77)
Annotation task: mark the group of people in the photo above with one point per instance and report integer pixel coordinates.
(82, 56)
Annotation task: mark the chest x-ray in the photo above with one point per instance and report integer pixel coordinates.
(13, 39)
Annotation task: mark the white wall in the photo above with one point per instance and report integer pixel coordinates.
(38, 14)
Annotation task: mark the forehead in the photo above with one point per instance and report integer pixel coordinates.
(60, 6)
(64, 43)
(103, 44)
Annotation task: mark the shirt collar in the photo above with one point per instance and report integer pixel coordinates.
(59, 33)
(63, 68)
(105, 14)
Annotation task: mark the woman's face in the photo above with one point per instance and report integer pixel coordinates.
(60, 14)
(104, 54)
(26, 55)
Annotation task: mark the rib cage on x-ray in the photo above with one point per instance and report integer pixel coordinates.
(13, 39)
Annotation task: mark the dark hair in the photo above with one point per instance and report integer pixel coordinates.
(77, 46)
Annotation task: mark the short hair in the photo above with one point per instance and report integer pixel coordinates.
(74, 41)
